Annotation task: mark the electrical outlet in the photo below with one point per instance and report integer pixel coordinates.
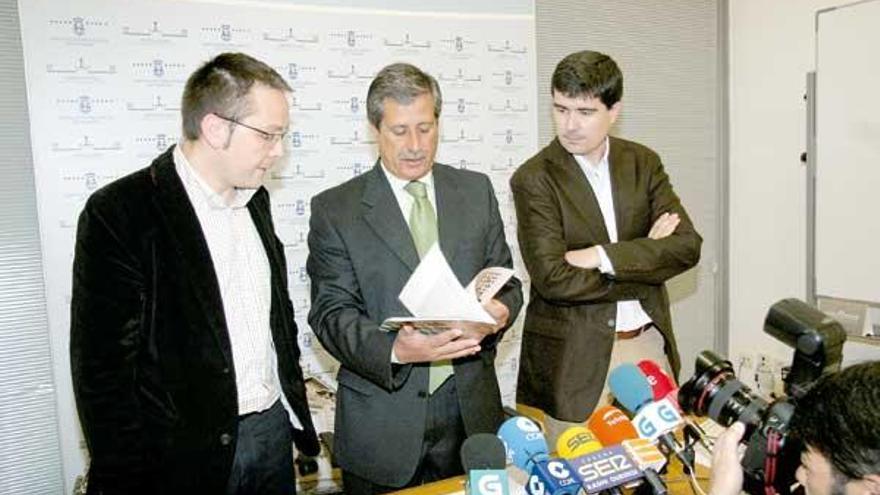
(765, 377)
(745, 369)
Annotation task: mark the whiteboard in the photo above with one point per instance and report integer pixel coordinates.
(847, 152)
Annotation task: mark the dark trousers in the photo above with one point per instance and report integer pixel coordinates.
(263, 462)
(440, 458)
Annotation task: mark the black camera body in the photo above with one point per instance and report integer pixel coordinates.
(771, 456)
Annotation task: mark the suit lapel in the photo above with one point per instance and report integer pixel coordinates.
(622, 174)
(185, 234)
(382, 214)
(575, 187)
(451, 210)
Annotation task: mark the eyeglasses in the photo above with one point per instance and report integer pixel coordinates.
(269, 137)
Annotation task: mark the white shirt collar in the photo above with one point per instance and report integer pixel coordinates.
(398, 184)
(598, 168)
(196, 186)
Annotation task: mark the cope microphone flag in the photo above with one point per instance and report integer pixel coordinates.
(527, 449)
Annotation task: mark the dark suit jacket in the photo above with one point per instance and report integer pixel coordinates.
(570, 320)
(150, 355)
(360, 256)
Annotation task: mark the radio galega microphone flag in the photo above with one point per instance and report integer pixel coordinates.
(483, 457)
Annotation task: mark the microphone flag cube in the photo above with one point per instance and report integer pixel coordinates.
(607, 468)
(657, 419)
(552, 477)
(645, 454)
(488, 482)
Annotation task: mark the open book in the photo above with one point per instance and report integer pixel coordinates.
(437, 300)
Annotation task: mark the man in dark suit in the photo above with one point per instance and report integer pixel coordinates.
(402, 411)
(183, 344)
(600, 230)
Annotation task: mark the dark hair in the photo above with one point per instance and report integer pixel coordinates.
(840, 417)
(221, 86)
(589, 74)
(402, 83)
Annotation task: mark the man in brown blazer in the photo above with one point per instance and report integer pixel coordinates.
(600, 230)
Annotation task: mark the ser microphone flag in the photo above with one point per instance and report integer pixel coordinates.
(605, 469)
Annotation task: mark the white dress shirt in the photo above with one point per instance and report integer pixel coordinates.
(630, 314)
(245, 280)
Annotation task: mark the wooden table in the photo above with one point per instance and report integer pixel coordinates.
(676, 481)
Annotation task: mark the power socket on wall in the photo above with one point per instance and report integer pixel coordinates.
(761, 373)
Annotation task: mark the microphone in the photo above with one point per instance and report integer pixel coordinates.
(654, 420)
(576, 441)
(610, 425)
(616, 428)
(483, 456)
(526, 448)
(630, 387)
(482, 451)
(662, 385)
(524, 444)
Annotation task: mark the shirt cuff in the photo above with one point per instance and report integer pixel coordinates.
(605, 265)
(394, 359)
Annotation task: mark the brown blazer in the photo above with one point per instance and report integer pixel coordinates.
(569, 326)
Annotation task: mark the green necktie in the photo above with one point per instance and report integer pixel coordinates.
(423, 227)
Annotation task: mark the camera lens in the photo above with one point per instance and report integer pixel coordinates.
(714, 391)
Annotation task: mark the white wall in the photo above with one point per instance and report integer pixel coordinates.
(772, 47)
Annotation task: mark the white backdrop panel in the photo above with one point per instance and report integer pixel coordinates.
(104, 85)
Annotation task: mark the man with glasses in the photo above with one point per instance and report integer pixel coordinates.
(183, 345)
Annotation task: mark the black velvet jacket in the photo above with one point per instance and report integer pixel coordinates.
(151, 359)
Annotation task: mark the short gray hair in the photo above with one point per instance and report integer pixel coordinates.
(402, 83)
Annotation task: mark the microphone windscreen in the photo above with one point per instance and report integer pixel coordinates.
(576, 441)
(611, 426)
(523, 442)
(482, 451)
(661, 384)
(630, 387)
